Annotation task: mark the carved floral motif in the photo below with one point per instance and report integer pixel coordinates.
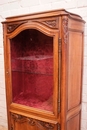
(65, 30)
(12, 27)
(51, 23)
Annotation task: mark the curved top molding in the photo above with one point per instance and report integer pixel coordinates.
(33, 25)
(43, 15)
(52, 23)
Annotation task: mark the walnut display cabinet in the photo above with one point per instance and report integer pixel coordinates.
(43, 55)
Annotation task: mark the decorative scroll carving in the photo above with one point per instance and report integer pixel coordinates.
(65, 30)
(40, 124)
(18, 118)
(12, 27)
(46, 125)
(31, 121)
(51, 23)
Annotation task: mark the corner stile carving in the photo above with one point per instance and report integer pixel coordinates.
(65, 30)
(40, 124)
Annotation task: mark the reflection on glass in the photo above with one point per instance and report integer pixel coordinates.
(32, 69)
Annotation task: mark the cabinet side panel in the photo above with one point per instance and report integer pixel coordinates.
(74, 123)
(74, 69)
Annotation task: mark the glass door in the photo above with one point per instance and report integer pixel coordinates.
(32, 69)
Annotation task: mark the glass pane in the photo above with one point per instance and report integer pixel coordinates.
(32, 69)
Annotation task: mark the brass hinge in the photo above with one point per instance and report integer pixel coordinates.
(12, 128)
(59, 45)
(59, 72)
(58, 126)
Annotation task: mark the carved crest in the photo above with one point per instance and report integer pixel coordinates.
(65, 30)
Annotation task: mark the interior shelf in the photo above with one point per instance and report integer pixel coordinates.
(39, 64)
(35, 57)
(20, 71)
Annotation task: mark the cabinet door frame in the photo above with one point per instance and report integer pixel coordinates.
(13, 107)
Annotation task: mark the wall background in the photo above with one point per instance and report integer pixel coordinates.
(17, 7)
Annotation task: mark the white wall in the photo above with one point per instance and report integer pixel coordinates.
(17, 7)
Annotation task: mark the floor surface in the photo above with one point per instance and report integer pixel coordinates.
(2, 128)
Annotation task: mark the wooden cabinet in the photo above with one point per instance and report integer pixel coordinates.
(43, 55)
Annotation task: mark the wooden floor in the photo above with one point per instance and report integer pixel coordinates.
(2, 128)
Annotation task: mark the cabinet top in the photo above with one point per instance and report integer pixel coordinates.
(52, 13)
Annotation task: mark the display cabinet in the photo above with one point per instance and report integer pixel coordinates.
(43, 54)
